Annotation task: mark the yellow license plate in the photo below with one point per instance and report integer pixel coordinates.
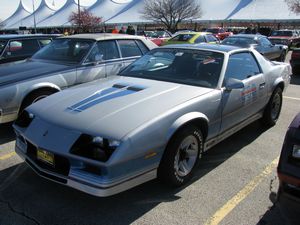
(45, 156)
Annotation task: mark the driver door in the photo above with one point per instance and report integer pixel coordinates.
(240, 104)
(103, 60)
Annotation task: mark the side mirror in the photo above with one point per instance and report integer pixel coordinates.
(232, 83)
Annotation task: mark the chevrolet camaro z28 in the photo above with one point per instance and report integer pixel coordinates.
(153, 120)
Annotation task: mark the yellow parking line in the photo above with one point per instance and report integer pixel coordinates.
(7, 156)
(240, 196)
(298, 99)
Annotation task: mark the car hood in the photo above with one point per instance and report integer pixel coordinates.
(114, 107)
(15, 72)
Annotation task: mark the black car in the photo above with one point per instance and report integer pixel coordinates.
(295, 61)
(19, 47)
(260, 43)
(289, 174)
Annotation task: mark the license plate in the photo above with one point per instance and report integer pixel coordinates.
(46, 157)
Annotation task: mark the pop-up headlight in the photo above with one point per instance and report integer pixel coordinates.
(24, 119)
(96, 148)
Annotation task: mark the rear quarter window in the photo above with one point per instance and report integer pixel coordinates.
(129, 48)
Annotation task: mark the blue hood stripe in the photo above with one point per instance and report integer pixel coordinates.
(103, 96)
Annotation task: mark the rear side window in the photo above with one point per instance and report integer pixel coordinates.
(211, 38)
(242, 66)
(142, 46)
(129, 48)
(200, 39)
(22, 47)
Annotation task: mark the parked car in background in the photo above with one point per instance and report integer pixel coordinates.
(295, 61)
(65, 62)
(289, 173)
(19, 47)
(219, 32)
(260, 43)
(290, 38)
(153, 120)
(158, 37)
(192, 38)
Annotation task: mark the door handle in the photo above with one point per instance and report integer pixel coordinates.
(262, 85)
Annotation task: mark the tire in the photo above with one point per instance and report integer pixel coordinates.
(177, 165)
(273, 108)
(34, 97)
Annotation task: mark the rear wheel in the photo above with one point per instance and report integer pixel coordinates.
(181, 156)
(273, 108)
(34, 97)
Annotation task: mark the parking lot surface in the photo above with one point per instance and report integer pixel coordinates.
(235, 183)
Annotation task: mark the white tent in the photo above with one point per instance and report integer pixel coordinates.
(20, 13)
(211, 10)
(61, 16)
(129, 14)
(265, 10)
(42, 12)
(108, 8)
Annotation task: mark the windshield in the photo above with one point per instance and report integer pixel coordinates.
(191, 67)
(65, 50)
(239, 41)
(2, 46)
(282, 33)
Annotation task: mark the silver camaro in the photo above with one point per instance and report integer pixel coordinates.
(153, 120)
(65, 62)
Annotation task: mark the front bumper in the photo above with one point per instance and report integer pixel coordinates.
(79, 181)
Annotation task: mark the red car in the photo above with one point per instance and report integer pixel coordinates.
(219, 32)
(157, 37)
(285, 37)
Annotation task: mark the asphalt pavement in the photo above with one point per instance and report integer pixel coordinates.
(235, 183)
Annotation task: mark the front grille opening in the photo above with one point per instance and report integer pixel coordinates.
(62, 165)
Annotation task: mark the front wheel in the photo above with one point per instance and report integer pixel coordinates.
(273, 108)
(181, 156)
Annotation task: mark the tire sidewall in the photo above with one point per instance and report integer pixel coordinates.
(167, 172)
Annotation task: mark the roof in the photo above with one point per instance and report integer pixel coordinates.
(252, 36)
(193, 33)
(205, 46)
(103, 36)
(23, 36)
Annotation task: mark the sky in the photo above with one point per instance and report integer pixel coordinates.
(7, 7)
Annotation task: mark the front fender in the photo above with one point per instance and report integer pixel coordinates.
(39, 86)
(184, 119)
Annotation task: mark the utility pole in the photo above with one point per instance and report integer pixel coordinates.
(79, 16)
(34, 21)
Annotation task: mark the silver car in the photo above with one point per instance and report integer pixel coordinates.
(65, 62)
(154, 120)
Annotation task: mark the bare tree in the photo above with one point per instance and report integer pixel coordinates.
(294, 5)
(85, 21)
(171, 12)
